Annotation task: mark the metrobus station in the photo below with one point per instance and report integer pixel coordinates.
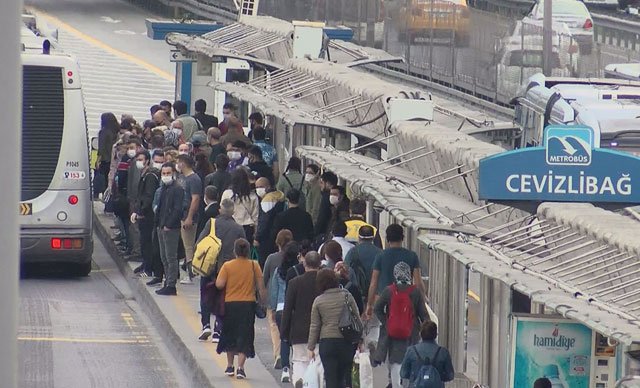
(530, 255)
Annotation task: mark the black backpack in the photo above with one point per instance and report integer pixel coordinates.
(362, 279)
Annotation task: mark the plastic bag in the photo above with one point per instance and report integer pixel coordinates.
(365, 370)
(311, 377)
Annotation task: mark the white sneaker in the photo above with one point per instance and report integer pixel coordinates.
(206, 332)
(215, 337)
(285, 377)
(186, 280)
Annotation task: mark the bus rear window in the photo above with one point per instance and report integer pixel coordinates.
(42, 126)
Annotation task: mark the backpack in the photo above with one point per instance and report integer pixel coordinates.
(400, 321)
(302, 202)
(427, 375)
(207, 252)
(362, 279)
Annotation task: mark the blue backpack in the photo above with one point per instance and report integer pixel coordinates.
(427, 375)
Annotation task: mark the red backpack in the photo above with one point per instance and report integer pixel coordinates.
(401, 315)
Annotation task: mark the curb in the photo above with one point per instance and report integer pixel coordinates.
(141, 294)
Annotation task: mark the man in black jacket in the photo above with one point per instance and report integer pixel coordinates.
(295, 219)
(204, 120)
(221, 178)
(296, 317)
(169, 220)
(328, 180)
(271, 204)
(143, 209)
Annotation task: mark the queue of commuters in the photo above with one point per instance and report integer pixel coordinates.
(292, 247)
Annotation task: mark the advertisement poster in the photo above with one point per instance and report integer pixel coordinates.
(557, 349)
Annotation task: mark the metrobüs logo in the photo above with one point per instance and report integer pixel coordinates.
(567, 146)
(555, 340)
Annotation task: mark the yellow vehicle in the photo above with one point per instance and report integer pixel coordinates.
(442, 19)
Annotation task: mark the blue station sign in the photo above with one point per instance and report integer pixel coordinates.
(568, 168)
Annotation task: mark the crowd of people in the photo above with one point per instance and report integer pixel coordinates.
(292, 243)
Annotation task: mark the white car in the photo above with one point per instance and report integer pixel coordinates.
(574, 14)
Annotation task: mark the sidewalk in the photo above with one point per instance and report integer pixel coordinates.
(177, 320)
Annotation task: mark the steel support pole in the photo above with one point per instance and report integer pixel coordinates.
(547, 37)
(11, 108)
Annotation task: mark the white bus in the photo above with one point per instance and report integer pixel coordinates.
(610, 107)
(55, 203)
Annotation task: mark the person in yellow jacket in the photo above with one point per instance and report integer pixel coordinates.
(357, 210)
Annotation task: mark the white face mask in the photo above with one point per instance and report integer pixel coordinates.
(308, 177)
(157, 165)
(234, 155)
(131, 153)
(261, 191)
(334, 199)
(167, 179)
(267, 206)
(183, 153)
(139, 164)
(226, 116)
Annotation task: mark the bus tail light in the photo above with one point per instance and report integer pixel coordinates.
(73, 199)
(56, 243)
(66, 243)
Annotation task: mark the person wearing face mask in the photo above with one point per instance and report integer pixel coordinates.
(245, 200)
(185, 149)
(177, 127)
(312, 191)
(189, 124)
(328, 180)
(168, 223)
(339, 206)
(236, 157)
(133, 180)
(143, 209)
(157, 158)
(258, 167)
(271, 204)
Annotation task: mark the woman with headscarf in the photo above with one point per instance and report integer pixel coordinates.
(393, 349)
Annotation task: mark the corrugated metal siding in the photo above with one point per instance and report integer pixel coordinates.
(42, 127)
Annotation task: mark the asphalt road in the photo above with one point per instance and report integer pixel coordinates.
(88, 332)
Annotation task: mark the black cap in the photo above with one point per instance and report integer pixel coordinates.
(365, 232)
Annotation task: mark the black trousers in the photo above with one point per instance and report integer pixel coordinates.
(336, 355)
(145, 225)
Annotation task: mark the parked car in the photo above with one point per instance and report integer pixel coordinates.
(574, 14)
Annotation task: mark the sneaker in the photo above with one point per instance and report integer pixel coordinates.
(144, 274)
(154, 281)
(230, 371)
(215, 337)
(186, 280)
(240, 375)
(206, 332)
(167, 291)
(277, 364)
(138, 269)
(285, 377)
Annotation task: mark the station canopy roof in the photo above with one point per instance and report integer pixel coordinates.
(269, 41)
(579, 260)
